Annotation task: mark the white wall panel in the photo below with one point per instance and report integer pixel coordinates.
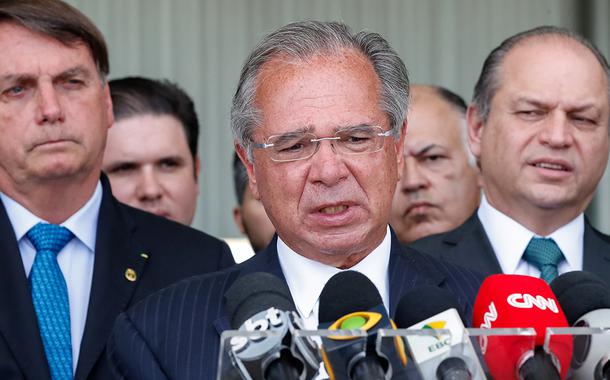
(201, 45)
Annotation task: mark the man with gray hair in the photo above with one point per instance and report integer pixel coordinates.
(538, 126)
(439, 188)
(319, 120)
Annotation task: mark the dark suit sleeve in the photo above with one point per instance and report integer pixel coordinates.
(129, 354)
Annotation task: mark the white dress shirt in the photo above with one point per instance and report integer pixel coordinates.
(509, 239)
(75, 259)
(306, 277)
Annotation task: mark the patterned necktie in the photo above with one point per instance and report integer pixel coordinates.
(544, 254)
(50, 297)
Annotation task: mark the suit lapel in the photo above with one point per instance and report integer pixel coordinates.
(472, 247)
(596, 252)
(18, 324)
(112, 287)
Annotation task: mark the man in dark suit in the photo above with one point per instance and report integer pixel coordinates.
(538, 126)
(319, 118)
(71, 256)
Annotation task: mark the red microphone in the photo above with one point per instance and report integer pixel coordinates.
(516, 301)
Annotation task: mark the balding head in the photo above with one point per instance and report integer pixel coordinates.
(439, 187)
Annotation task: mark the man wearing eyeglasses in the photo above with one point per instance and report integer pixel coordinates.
(319, 122)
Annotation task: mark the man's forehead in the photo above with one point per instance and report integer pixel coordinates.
(22, 49)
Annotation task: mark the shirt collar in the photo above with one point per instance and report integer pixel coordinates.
(508, 237)
(306, 278)
(83, 223)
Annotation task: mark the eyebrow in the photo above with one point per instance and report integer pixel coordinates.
(71, 72)
(542, 104)
(424, 150)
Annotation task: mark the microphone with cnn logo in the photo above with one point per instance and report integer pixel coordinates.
(516, 301)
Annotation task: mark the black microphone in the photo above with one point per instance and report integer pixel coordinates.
(440, 357)
(349, 300)
(262, 302)
(585, 300)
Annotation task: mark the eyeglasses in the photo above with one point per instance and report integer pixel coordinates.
(295, 146)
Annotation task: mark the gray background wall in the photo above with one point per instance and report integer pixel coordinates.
(201, 45)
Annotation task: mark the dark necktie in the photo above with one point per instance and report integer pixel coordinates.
(544, 254)
(50, 297)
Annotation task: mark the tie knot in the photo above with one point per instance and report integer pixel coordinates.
(49, 237)
(542, 251)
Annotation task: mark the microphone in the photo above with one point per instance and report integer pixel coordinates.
(439, 357)
(513, 301)
(585, 299)
(262, 302)
(349, 300)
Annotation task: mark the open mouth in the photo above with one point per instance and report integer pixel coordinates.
(331, 210)
(551, 166)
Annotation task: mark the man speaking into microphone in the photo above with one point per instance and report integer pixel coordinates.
(319, 120)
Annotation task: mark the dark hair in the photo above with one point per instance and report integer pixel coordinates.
(302, 40)
(489, 80)
(133, 96)
(60, 21)
(240, 179)
(452, 98)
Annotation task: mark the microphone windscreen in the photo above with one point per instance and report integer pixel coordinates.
(512, 301)
(519, 301)
(256, 292)
(579, 293)
(422, 303)
(345, 293)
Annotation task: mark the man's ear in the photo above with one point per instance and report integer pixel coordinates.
(197, 168)
(237, 218)
(108, 104)
(475, 129)
(400, 149)
(243, 156)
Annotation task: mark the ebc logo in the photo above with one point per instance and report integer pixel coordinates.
(528, 301)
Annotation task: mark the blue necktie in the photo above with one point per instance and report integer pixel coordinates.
(545, 255)
(50, 297)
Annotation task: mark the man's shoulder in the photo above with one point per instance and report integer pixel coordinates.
(430, 264)
(436, 244)
(175, 251)
(157, 227)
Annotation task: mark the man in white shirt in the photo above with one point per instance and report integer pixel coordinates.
(538, 126)
(319, 121)
(71, 256)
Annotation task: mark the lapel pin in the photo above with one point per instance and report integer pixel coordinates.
(130, 275)
(144, 255)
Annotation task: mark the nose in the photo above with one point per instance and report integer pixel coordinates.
(327, 167)
(413, 178)
(556, 131)
(49, 105)
(148, 188)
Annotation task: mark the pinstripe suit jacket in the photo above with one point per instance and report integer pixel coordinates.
(175, 333)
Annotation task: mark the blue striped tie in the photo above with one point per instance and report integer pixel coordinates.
(545, 255)
(50, 297)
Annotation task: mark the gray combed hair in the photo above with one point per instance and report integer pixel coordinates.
(303, 40)
(489, 81)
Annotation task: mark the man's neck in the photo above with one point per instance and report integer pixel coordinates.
(53, 200)
(541, 221)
